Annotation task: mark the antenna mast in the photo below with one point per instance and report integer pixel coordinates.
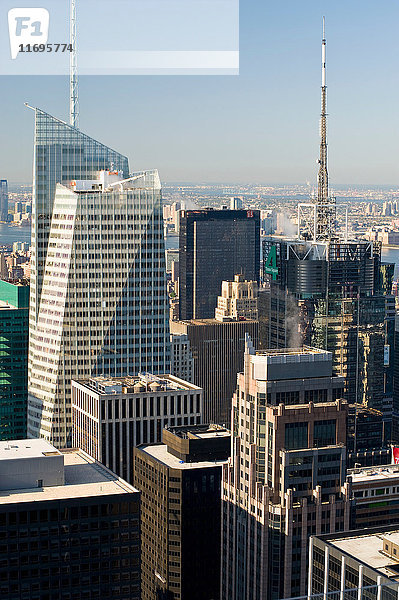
(326, 205)
(74, 101)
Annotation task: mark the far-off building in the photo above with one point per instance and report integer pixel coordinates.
(238, 300)
(112, 416)
(180, 482)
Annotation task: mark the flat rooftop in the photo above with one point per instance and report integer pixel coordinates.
(84, 477)
(216, 322)
(26, 449)
(292, 363)
(199, 431)
(367, 548)
(6, 305)
(370, 474)
(161, 454)
(298, 353)
(142, 383)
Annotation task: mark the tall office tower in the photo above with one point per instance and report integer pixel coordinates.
(3, 200)
(395, 410)
(330, 292)
(217, 349)
(235, 203)
(286, 475)
(180, 483)
(332, 295)
(69, 527)
(239, 300)
(387, 209)
(98, 258)
(3, 267)
(112, 416)
(215, 245)
(14, 328)
(181, 362)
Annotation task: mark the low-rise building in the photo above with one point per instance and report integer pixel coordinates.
(376, 493)
(69, 527)
(112, 416)
(355, 564)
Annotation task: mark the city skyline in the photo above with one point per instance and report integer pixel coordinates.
(205, 131)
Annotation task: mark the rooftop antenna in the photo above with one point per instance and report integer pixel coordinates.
(74, 101)
(316, 220)
(322, 193)
(326, 206)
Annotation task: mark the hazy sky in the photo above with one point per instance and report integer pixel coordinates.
(260, 126)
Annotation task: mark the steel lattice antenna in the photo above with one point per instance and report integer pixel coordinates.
(74, 100)
(322, 193)
(325, 208)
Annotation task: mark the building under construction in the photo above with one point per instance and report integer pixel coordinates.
(331, 292)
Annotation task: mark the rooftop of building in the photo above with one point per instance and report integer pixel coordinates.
(290, 363)
(6, 305)
(142, 383)
(111, 181)
(215, 321)
(160, 453)
(199, 431)
(84, 476)
(371, 474)
(366, 546)
(294, 354)
(21, 449)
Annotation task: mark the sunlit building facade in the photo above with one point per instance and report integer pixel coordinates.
(98, 298)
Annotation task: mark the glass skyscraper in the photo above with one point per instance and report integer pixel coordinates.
(98, 302)
(335, 295)
(14, 316)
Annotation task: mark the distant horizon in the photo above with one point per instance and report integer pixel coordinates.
(253, 183)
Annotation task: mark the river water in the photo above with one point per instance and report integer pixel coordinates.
(9, 234)
(391, 255)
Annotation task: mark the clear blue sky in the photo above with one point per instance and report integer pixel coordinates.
(260, 126)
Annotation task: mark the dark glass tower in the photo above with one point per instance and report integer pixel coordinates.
(3, 200)
(215, 245)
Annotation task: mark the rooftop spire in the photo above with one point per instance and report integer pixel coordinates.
(325, 210)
